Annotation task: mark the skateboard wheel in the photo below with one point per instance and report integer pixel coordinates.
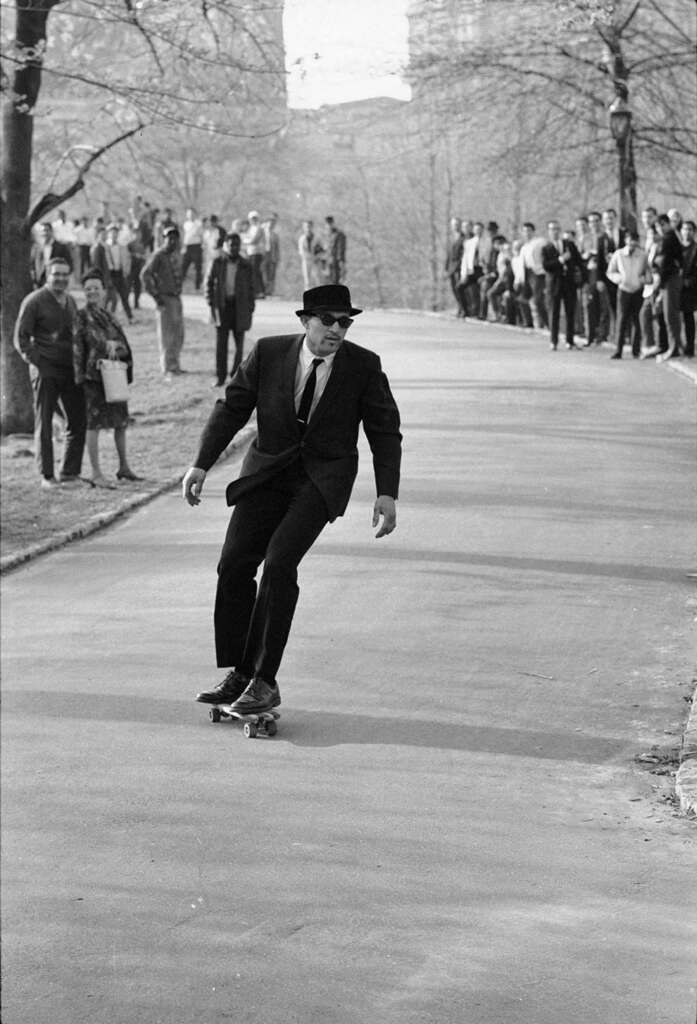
(214, 715)
(250, 730)
(271, 728)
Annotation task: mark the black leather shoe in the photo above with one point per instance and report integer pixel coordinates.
(233, 686)
(258, 696)
(127, 474)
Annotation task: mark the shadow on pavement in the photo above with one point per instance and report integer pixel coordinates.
(304, 727)
(613, 570)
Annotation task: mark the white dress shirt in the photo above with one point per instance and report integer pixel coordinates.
(303, 370)
(532, 255)
(470, 256)
(193, 232)
(518, 265)
(84, 235)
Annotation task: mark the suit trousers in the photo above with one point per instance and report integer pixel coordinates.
(134, 282)
(562, 292)
(120, 287)
(193, 254)
(607, 308)
(50, 395)
(257, 261)
(222, 335)
(670, 301)
(652, 323)
(170, 332)
(454, 279)
(269, 271)
(275, 524)
(468, 291)
(628, 312)
(688, 319)
(538, 309)
(590, 300)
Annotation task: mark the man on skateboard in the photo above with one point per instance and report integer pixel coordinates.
(311, 392)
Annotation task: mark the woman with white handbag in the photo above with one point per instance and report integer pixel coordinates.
(103, 364)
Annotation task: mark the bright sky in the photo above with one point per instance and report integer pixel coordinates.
(338, 51)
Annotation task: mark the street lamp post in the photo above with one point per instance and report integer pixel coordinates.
(620, 117)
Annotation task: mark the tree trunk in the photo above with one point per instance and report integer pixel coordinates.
(433, 253)
(16, 413)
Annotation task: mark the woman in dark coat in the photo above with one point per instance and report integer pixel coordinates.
(98, 335)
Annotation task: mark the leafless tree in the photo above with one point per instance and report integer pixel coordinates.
(120, 68)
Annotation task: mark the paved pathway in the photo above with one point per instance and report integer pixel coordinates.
(450, 825)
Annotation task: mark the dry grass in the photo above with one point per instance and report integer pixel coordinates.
(162, 440)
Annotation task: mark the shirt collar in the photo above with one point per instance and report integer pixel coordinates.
(306, 356)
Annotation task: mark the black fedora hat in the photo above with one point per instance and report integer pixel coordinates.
(327, 298)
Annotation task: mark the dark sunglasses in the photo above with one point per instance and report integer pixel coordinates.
(328, 320)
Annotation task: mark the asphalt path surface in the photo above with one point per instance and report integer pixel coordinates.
(451, 824)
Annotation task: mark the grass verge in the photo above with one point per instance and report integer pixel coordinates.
(162, 440)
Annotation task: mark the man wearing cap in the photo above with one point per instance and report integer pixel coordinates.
(311, 393)
(162, 278)
(230, 295)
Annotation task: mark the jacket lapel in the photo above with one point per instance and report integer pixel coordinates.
(288, 371)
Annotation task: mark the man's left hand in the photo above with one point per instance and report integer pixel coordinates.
(385, 507)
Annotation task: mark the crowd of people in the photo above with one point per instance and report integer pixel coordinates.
(597, 283)
(115, 258)
(119, 247)
(606, 284)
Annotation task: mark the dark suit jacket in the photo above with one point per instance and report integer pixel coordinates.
(337, 246)
(688, 301)
(38, 267)
(668, 257)
(244, 290)
(98, 261)
(357, 392)
(454, 258)
(562, 275)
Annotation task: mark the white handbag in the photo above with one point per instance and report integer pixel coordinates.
(115, 379)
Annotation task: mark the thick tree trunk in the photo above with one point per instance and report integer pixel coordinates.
(16, 415)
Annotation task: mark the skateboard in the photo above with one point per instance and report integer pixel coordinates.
(260, 721)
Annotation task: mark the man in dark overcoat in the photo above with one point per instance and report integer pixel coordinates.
(311, 392)
(564, 268)
(229, 289)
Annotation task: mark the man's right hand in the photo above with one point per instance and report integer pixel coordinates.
(192, 485)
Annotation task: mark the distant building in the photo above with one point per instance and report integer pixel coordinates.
(439, 29)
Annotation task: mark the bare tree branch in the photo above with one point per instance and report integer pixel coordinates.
(625, 24)
(133, 18)
(51, 200)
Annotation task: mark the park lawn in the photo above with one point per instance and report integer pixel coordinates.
(162, 441)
